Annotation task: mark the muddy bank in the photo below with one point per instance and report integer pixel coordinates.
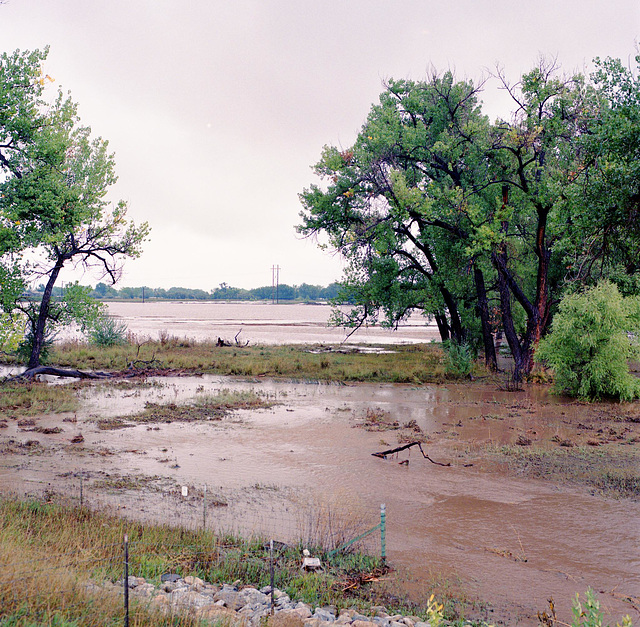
(504, 538)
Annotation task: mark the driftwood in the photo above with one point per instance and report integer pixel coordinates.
(60, 372)
(383, 454)
(222, 343)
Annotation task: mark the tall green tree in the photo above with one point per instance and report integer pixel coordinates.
(398, 206)
(54, 209)
(436, 209)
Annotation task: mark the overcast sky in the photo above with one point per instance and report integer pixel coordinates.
(216, 111)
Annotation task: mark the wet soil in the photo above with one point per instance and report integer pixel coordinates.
(507, 539)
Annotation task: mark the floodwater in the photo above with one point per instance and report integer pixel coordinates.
(257, 323)
(510, 542)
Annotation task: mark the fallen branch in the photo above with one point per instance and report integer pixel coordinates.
(60, 372)
(383, 454)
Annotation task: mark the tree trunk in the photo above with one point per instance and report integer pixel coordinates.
(490, 358)
(443, 327)
(458, 333)
(509, 328)
(39, 328)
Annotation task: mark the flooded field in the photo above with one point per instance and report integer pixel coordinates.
(504, 538)
(258, 323)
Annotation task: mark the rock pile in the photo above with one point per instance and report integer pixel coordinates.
(246, 607)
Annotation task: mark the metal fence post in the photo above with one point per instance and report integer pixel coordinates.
(383, 531)
(272, 575)
(126, 580)
(204, 509)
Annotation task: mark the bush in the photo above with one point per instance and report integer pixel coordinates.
(593, 336)
(108, 331)
(25, 347)
(458, 359)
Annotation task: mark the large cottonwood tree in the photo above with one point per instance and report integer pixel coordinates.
(436, 209)
(54, 209)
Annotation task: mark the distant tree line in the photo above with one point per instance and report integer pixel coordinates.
(300, 293)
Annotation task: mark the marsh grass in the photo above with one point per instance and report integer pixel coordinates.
(209, 407)
(32, 399)
(59, 565)
(612, 472)
(406, 364)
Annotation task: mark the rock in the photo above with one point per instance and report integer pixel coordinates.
(229, 596)
(324, 615)
(222, 615)
(363, 623)
(194, 581)
(303, 610)
(314, 621)
(248, 596)
(380, 610)
(287, 618)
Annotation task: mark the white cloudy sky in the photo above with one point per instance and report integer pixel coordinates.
(216, 110)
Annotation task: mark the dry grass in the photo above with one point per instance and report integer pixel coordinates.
(407, 364)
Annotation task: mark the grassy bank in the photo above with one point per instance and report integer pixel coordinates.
(406, 364)
(59, 564)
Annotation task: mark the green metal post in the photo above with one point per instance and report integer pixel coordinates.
(383, 531)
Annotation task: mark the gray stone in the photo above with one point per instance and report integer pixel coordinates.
(324, 615)
(229, 596)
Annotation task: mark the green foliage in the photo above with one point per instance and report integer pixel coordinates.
(25, 346)
(108, 331)
(593, 336)
(433, 201)
(11, 332)
(589, 614)
(54, 183)
(458, 359)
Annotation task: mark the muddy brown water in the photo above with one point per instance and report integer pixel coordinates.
(509, 542)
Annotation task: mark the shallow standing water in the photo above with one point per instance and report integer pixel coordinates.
(513, 542)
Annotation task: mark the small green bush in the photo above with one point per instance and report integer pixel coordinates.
(593, 336)
(108, 331)
(458, 359)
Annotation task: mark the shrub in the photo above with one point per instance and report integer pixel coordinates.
(108, 331)
(25, 347)
(593, 336)
(458, 359)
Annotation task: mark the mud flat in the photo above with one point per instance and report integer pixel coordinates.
(518, 517)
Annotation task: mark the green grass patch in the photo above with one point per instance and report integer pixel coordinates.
(32, 399)
(611, 472)
(210, 407)
(405, 364)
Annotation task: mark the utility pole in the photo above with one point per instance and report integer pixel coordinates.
(275, 283)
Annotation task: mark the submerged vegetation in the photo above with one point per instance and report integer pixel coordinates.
(612, 473)
(210, 407)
